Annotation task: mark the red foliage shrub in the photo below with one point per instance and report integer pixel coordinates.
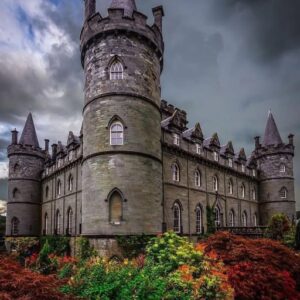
(257, 268)
(19, 283)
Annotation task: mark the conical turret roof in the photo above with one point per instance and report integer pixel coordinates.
(29, 136)
(128, 5)
(272, 136)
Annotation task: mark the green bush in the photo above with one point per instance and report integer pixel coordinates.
(278, 226)
(66, 271)
(44, 262)
(59, 245)
(84, 249)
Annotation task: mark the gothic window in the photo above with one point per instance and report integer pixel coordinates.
(46, 224)
(282, 168)
(58, 187)
(47, 192)
(175, 172)
(217, 216)
(254, 194)
(197, 178)
(177, 218)
(116, 70)
(231, 218)
(283, 193)
(243, 189)
(199, 221)
(16, 194)
(57, 222)
(70, 183)
(230, 186)
(116, 134)
(115, 208)
(255, 220)
(216, 156)
(215, 183)
(244, 219)
(198, 149)
(230, 162)
(15, 226)
(69, 221)
(176, 139)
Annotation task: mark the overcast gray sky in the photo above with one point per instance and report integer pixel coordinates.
(227, 62)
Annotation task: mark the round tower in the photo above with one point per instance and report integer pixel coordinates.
(26, 161)
(275, 162)
(122, 58)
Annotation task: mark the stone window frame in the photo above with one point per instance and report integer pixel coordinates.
(115, 140)
(283, 192)
(254, 194)
(177, 216)
(255, 223)
(123, 200)
(231, 218)
(243, 190)
(282, 168)
(47, 192)
(230, 162)
(15, 193)
(15, 222)
(69, 221)
(58, 187)
(218, 216)
(216, 156)
(230, 186)
(199, 219)
(243, 168)
(70, 183)
(198, 178)
(215, 180)
(198, 149)
(116, 68)
(176, 139)
(175, 172)
(57, 222)
(244, 219)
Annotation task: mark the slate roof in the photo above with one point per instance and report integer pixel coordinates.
(272, 136)
(128, 5)
(29, 136)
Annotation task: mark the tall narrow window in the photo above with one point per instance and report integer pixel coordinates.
(230, 162)
(176, 139)
(197, 178)
(70, 184)
(116, 70)
(116, 134)
(254, 194)
(282, 168)
(199, 221)
(253, 172)
(177, 218)
(255, 220)
(46, 224)
(283, 193)
(244, 219)
(58, 188)
(175, 172)
(47, 192)
(198, 149)
(70, 221)
(216, 156)
(57, 222)
(215, 183)
(217, 216)
(243, 168)
(230, 186)
(14, 226)
(16, 194)
(243, 191)
(231, 218)
(115, 208)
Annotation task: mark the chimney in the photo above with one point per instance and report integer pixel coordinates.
(90, 8)
(14, 137)
(158, 13)
(54, 151)
(291, 139)
(257, 144)
(47, 145)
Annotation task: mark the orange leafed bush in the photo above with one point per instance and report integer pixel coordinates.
(18, 283)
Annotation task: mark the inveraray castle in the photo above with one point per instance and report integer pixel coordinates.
(136, 167)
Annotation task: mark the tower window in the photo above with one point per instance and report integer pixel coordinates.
(115, 207)
(177, 218)
(244, 219)
(176, 139)
(116, 70)
(175, 172)
(70, 221)
(197, 178)
(230, 187)
(243, 189)
(215, 183)
(283, 193)
(117, 134)
(231, 218)
(199, 220)
(15, 226)
(282, 168)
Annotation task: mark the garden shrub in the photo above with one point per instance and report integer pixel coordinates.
(59, 245)
(278, 226)
(84, 249)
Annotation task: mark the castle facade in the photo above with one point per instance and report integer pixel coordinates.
(136, 167)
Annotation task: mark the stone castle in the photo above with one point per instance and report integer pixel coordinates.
(136, 168)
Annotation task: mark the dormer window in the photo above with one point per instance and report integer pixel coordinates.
(230, 162)
(176, 139)
(282, 168)
(243, 168)
(116, 70)
(198, 149)
(216, 156)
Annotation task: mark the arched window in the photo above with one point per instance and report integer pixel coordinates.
(15, 226)
(217, 216)
(231, 218)
(283, 193)
(16, 167)
(15, 194)
(115, 208)
(230, 186)
(243, 191)
(244, 219)
(215, 183)
(254, 194)
(58, 187)
(69, 221)
(57, 222)
(46, 224)
(116, 134)
(47, 192)
(70, 183)
(199, 222)
(282, 168)
(116, 70)
(255, 220)
(177, 218)
(197, 178)
(175, 172)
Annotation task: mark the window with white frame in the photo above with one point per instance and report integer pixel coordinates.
(230, 162)
(243, 191)
(244, 219)
(282, 168)
(175, 172)
(176, 139)
(116, 134)
(216, 156)
(176, 218)
(215, 183)
(197, 178)
(116, 70)
(231, 218)
(283, 193)
(199, 220)
(198, 149)
(230, 186)
(243, 168)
